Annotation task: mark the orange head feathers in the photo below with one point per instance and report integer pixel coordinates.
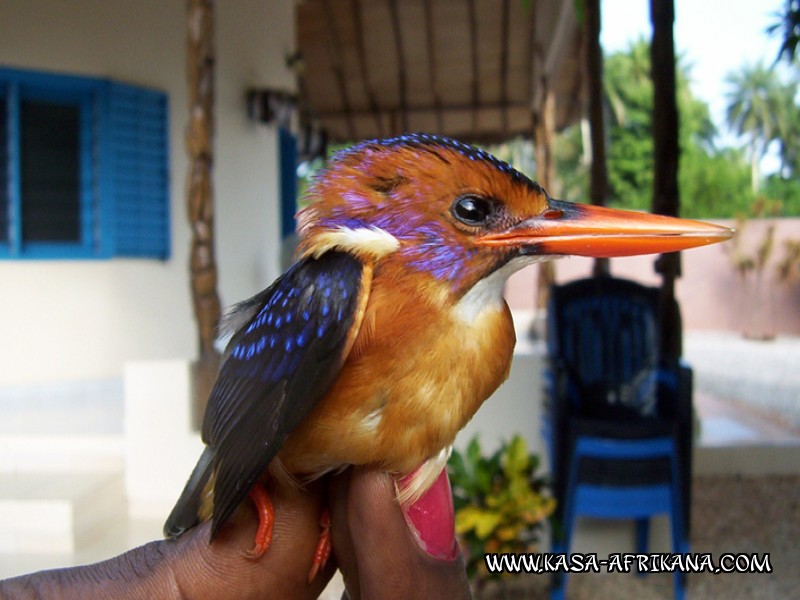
(457, 213)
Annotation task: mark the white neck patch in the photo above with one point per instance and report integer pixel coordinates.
(488, 292)
(364, 240)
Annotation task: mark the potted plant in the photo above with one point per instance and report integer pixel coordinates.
(500, 506)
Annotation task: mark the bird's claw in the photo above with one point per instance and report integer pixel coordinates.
(266, 519)
(323, 549)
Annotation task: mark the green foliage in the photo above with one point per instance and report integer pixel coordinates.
(629, 91)
(788, 27)
(759, 109)
(630, 158)
(713, 182)
(630, 165)
(788, 129)
(500, 502)
(573, 174)
(754, 104)
(786, 191)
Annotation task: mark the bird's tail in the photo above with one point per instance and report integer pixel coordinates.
(185, 515)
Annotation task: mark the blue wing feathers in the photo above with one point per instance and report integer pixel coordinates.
(288, 349)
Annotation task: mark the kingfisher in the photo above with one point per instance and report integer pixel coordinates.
(390, 329)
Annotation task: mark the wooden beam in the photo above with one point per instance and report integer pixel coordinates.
(362, 64)
(473, 48)
(335, 55)
(543, 133)
(531, 31)
(433, 79)
(598, 184)
(553, 54)
(430, 108)
(504, 59)
(665, 108)
(401, 67)
(200, 61)
(666, 154)
(464, 134)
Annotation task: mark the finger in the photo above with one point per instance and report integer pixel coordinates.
(190, 567)
(379, 554)
(343, 547)
(282, 572)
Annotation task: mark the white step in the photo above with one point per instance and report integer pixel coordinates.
(29, 453)
(57, 512)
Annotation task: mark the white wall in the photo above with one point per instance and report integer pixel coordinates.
(82, 320)
(711, 293)
(255, 37)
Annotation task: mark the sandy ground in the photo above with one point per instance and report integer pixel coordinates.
(730, 515)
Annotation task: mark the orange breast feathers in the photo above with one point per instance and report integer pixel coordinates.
(403, 395)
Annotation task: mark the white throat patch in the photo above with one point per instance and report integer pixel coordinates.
(488, 292)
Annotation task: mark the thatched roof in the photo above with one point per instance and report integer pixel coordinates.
(472, 69)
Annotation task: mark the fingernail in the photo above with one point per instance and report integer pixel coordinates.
(431, 519)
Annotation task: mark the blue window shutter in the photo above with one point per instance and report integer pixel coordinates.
(123, 163)
(135, 172)
(13, 184)
(5, 166)
(288, 174)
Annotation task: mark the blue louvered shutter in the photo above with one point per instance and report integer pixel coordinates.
(288, 174)
(137, 173)
(105, 144)
(4, 169)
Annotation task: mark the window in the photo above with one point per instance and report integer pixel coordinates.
(4, 193)
(83, 168)
(287, 165)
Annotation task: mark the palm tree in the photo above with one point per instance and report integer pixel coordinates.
(754, 109)
(788, 121)
(788, 26)
(627, 81)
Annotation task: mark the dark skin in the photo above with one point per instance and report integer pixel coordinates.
(372, 546)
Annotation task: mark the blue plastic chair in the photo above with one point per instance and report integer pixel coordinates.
(619, 417)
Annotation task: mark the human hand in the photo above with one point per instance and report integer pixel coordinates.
(384, 553)
(378, 554)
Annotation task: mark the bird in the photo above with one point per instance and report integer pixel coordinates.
(388, 332)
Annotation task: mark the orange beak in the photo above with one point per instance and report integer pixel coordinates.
(586, 230)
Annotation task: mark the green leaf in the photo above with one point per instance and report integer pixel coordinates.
(474, 451)
(499, 502)
(482, 522)
(517, 459)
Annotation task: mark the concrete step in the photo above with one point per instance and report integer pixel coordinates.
(32, 453)
(58, 512)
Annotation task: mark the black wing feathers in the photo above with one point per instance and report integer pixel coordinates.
(276, 368)
(185, 514)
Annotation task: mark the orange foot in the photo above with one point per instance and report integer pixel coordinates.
(266, 518)
(323, 550)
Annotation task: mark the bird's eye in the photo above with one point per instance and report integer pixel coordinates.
(472, 210)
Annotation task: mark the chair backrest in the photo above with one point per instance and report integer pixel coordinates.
(604, 333)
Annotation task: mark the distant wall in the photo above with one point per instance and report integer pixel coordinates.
(82, 320)
(711, 294)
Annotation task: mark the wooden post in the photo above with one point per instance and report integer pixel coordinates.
(598, 188)
(200, 193)
(666, 200)
(544, 124)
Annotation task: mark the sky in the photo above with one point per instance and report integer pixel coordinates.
(715, 37)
